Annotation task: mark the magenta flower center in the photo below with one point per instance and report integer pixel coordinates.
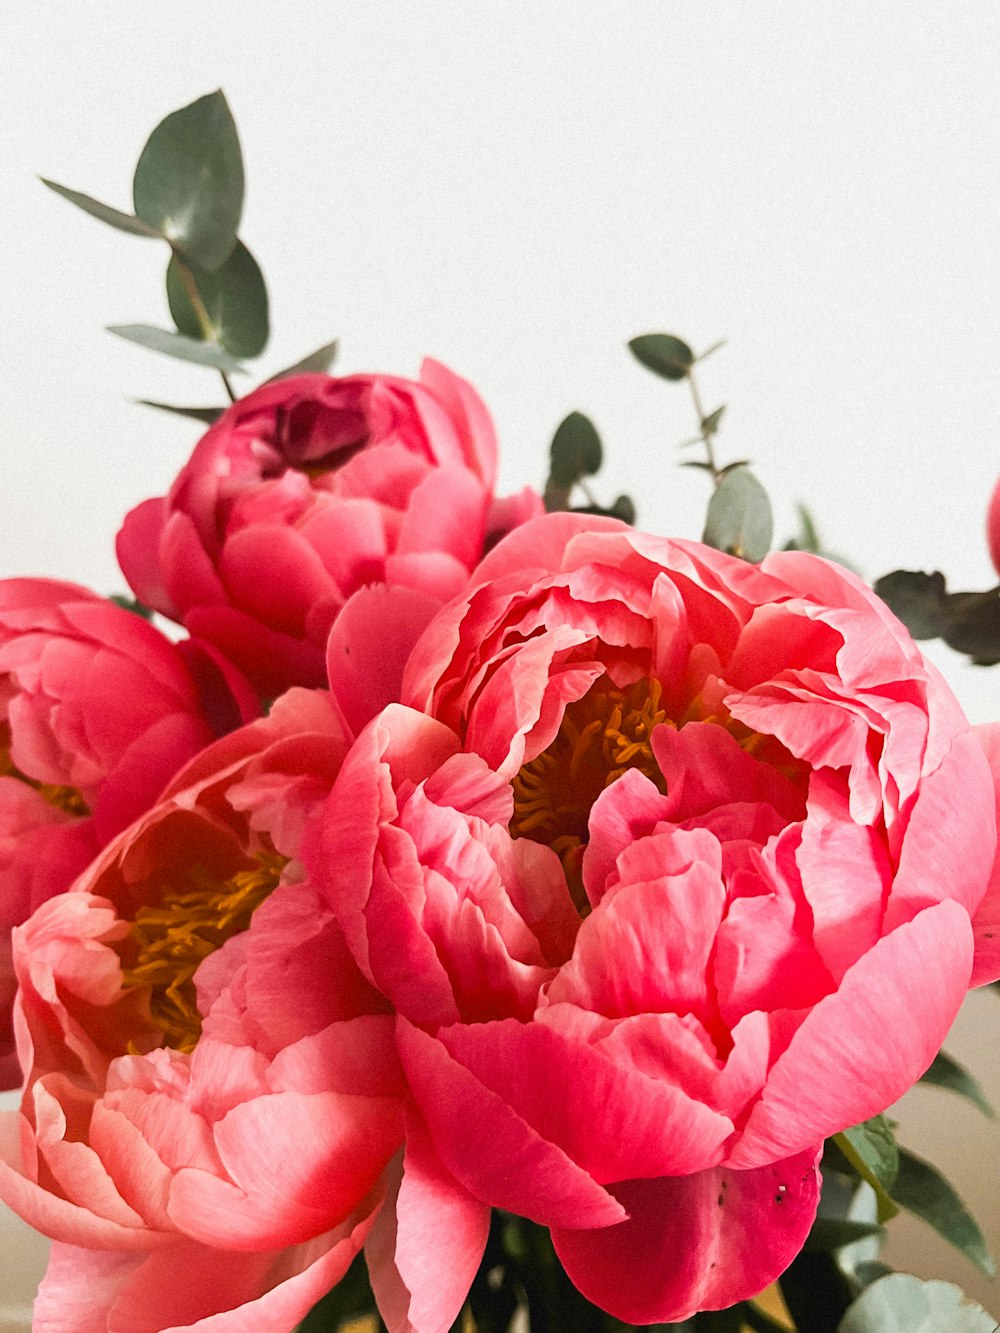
(169, 939)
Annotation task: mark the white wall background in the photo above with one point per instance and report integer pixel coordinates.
(517, 188)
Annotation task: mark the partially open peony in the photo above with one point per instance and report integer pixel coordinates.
(670, 868)
(212, 1092)
(304, 492)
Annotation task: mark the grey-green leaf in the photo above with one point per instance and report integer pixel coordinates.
(901, 1303)
(739, 516)
(206, 414)
(922, 1190)
(711, 423)
(114, 217)
(872, 1143)
(188, 182)
(234, 296)
(315, 363)
(663, 354)
(948, 1073)
(176, 345)
(575, 451)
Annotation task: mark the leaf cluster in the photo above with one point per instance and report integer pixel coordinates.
(969, 622)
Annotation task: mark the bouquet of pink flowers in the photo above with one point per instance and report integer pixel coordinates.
(476, 912)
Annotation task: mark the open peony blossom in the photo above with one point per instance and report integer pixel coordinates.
(671, 867)
(212, 1092)
(306, 491)
(98, 711)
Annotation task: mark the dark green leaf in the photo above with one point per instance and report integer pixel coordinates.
(974, 625)
(711, 423)
(918, 599)
(175, 344)
(575, 451)
(901, 1303)
(663, 354)
(206, 414)
(234, 297)
(316, 362)
(948, 1073)
(922, 1190)
(830, 1233)
(131, 604)
(816, 1293)
(114, 217)
(189, 181)
(698, 463)
(739, 516)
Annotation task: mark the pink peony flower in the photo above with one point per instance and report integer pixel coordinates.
(212, 1092)
(308, 490)
(670, 869)
(98, 710)
(993, 527)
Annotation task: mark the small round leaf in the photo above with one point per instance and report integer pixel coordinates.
(188, 182)
(575, 450)
(663, 354)
(234, 296)
(739, 516)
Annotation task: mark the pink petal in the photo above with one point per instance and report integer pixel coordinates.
(698, 1242)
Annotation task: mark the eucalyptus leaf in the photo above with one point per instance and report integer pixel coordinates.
(575, 451)
(206, 414)
(710, 424)
(945, 1072)
(831, 1233)
(870, 1151)
(739, 516)
(918, 599)
(901, 1303)
(315, 363)
(177, 345)
(114, 217)
(663, 354)
(188, 182)
(922, 1190)
(234, 297)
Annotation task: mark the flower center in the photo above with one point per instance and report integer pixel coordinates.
(168, 941)
(68, 799)
(601, 736)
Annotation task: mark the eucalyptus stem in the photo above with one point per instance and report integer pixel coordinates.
(205, 325)
(228, 386)
(706, 436)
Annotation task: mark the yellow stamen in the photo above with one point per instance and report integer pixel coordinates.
(602, 735)
(170, 939)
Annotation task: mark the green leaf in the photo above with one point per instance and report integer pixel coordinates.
(974, 625)
(132, 604)
(188, 183)
(948, 1073)
(918, 599)
(830, 1233)
(316, 362)
(922, 1190)
(114, 217)
(234, 297)
(663, 354)
(206, 414)
(870, 1149)
(575, 451)
(710, 424)
(901, 1303)
(739, 516)
(175, 344)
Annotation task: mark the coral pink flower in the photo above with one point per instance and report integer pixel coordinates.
(98, 711)
(993, 527)
(308, 490)
(212, 1093)
(670, 869)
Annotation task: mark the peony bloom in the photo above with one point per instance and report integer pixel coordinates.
(98, 711)
(306, 491)
(670, 868)
(212, 1092)
(993, 527)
